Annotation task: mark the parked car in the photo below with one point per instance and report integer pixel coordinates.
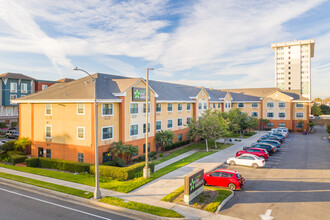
(271, 137)
(272, 142)
(225, 178)
(259, 152)
(268, 147)
(12, 134)
(282, 131)
(247, 160)
(2, 142)
(281, 136)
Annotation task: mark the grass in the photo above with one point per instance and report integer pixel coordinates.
(46, 185)
(222, 194)
(154, 210)
(174, 194)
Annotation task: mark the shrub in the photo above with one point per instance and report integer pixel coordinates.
(161, 155)
(117, 162)
(176, 145)
(135, 160)
(141, 158)
(152, 155)
(251, 133)
(8, 146)
(14, 124)
(124, 173)
(3, 125)
(59, 164)
(16, 157)
(32, 162)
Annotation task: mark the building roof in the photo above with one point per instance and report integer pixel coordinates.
(16, 76)
(65, 80)
(216, 95)
(296, 43)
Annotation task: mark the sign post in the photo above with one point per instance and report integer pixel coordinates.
(193, 185)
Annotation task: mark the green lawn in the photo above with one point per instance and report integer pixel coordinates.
(222, 194)
(172, 195)
(154, 210)
(47, 185)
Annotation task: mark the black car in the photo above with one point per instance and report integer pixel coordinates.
(269, 148)
(12, 134)
(271, 137)
(275, 143)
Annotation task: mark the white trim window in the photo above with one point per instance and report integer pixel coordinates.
(80, 157)
(281, 114)
(254, 114)
(23, 87)
(270, 104)
(179, 122)
(240, 105)
(13, 87)
(48, 109)
(144, 128)
(188, 106)
(169, 107)
(43, 87)
(179, 107)
(80, 109)
(133, 130)
(81, 133)
(254, 104)
(12, 97)
(299, 105)
(169, 123)
(9, 111)
(107, 133)
(200, 106)
(159, 107)
(48, 133)
(299, 115)
(158, 125)
(134, 108)
(107, 109)
(205, 105)
(270, 114)
(144, 107)
(281, 104)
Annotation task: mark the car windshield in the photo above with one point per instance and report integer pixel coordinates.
(238, 175)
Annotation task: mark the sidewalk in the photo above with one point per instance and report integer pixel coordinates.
(174, 159)
(154, 191)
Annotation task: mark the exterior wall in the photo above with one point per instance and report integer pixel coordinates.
(276, 98)
(248, 108)
(227, 100)
(218, 106)
(6, 90)
(25, 122)
(202, 98)
(39, 84)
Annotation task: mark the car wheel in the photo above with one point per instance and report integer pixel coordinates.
(254, 165)
(205, 183)
(232, 163)
(232, 186)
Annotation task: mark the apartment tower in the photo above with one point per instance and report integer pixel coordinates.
(293, 66)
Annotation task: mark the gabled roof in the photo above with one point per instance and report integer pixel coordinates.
(16, 76)
(125, 84)
(239, 97)
(216, 95)
(65, 80)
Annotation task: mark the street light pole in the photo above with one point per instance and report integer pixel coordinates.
(97, 192)
(146, 169)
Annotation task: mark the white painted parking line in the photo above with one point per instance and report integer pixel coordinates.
(54, 204)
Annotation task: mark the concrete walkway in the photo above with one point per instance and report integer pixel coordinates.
(154, 191)
(174, 159)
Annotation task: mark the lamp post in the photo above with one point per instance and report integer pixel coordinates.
(97, 192)
(146, 169)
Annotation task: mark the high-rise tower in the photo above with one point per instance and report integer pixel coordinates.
(293, 66)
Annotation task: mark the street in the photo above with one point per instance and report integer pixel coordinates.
(19, 204)
(295, 184)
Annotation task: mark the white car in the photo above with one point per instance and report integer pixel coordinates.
(279, 131)
(247, 160)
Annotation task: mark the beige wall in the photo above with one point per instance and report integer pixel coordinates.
(227, 99)
(25, 120)
(248, 108)
(276, 98)
(303, 110)
(202, 98)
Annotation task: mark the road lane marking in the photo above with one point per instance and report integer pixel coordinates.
(54, 204)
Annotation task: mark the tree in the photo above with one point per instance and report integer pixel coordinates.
(21, 144)
(328, 129)
(325, 109)
(164, 138)
(252, 123)
(263, 123)
(311, 125)
(222, 127)
(130, 150)
(316, 110)
(118, 149)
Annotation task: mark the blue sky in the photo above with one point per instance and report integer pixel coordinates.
(211, 43)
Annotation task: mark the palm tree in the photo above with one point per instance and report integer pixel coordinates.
(21, 144)
(131, 151)
(118, 148)
(164, 138)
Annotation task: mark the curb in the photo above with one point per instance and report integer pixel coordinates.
(223, 203)
(82, 201)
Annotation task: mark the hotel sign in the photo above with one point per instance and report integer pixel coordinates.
(193, 185)
(139, 94)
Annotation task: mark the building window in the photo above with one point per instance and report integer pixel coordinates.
(213, 105)
(298, 125)
(48, 131)
(270, 104)
(219, 105)
(23, 88)
(200, 106)
(254, 104)
(144, 128)
(241, 105)
(107, 109)
(107, 133)
(179, 106)
(158, 107)
(205, 107)
(144, 148)
(13, 87)
(281, 125)
(144, 108)
(169, 123)
(254, 114)
(9, 111)
(48, 109)
(80, 109)
(188, 106)
(81, 133)
(270, 114)
(270, 124)
(179, 137)
(134, 108)
(299, 105)
(107, 156)
(281, 115)
(179, 122)
(281, 104)
(12, 97)
(169, 107)
(158, 125)
(43, 87)
(80, 157)
(188, 120)
(134, 130)
(48, 153)
(299, 114)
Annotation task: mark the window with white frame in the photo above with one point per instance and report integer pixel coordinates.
(134, 130)
(107, 133)
(213, 105)
(107, 109)
(169, 107)
(9, 111)
(281, 104)
(299, 114)
(80, 133)
(179, 106)
(48, 131)
(200, 106)
(179, 122)
(48, 109)
(281, 125)
(270, 114)
(254, 104)
(240, 105)
(13, 87)
(270, 104)
(144, 128)
(43, 87)
(80, 157)
(281, 114)
(218, 105)
(158, 125)
(134, 108)
(254, 114)
(169, 123)
(80, 108)
(270, 124)
(12, 97)
(299, 105)
(158, 107)
(144, 107)
(188, 106)
(23, 87)
(205, 106)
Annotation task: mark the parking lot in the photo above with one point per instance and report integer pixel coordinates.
(294, 184)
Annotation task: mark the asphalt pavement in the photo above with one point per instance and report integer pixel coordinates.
(295, 184)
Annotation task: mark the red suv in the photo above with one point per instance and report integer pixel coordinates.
(225, 178)
(259, 152)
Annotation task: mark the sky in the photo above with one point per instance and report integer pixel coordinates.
(211, 43)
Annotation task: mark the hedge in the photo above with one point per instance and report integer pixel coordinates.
(176, 145)
(58, 164)
(16, 157)
(124, 173)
